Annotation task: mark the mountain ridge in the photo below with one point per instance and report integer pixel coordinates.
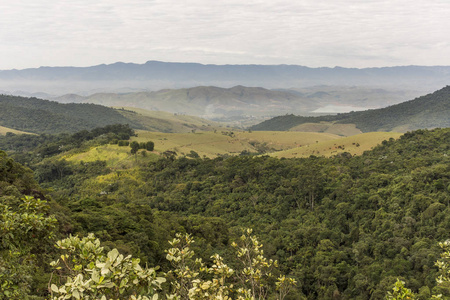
(158, 75)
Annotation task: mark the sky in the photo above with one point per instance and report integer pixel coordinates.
(313, 33)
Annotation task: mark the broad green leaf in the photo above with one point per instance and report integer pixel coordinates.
(113, 254)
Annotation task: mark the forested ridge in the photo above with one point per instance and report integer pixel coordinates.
(344, 227)
(429, 111)
(43, 116)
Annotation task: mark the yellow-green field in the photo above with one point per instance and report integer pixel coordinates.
(355, 145)
(211, 144)
(339, 129)
(116, 157)
(4, 130)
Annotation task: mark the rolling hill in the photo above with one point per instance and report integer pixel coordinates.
(43, 116)
(18, 114)
(354, 145)
(208, 101)
(161, 121)
(239, 102)
(213, 144)
(429, 111)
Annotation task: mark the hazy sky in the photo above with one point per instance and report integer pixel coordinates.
(314, 33)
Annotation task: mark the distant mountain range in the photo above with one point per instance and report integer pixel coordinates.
(155, 75)
(429, 111)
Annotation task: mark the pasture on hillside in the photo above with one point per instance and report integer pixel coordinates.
(212, 144)
(4, 130)
(354, 145)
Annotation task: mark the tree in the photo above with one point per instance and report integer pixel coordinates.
(400, 292)
(193, 279)
(149, 146)
(24, 228)
(443, 280)
(134, 147)
(86, 272)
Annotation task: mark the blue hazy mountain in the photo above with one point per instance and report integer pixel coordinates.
(155, 75)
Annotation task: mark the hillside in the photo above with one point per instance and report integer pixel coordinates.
(248, 105)
(155, 75)
(208, 101)
(43, 116)
(4, 130)
(223, 143)
(429, 111)
(162, 121)
(353, 145)
(341, 99)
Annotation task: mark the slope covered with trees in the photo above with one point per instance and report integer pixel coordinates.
(344, 227)
(429, 111)
(43, 116)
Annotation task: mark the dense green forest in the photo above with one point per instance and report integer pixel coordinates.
(43, 116)
(344, 227)
(429, 111)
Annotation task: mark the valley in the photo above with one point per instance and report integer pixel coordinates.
(225, 150)
(346, 203)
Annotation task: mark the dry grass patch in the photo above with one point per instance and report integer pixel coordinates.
(354, 145)
(4, 130)
(212, 144)
(327, 127)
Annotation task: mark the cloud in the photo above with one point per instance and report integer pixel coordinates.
(309, 32)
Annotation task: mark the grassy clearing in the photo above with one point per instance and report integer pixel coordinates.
(355, 145)
(211, 144)
(281, 140)
(328, 127)
(116, 157)
(4, 130)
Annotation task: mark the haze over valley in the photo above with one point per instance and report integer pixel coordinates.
(227, 91)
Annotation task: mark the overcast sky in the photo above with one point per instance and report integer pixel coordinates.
(314, 33)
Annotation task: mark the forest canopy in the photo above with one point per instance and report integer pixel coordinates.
(345, 227)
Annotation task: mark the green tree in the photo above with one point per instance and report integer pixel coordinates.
(400, 292)
(193, 279)
(134, 147)
(443, 280)
(25, 228)
(150, 146)
(85, 271)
